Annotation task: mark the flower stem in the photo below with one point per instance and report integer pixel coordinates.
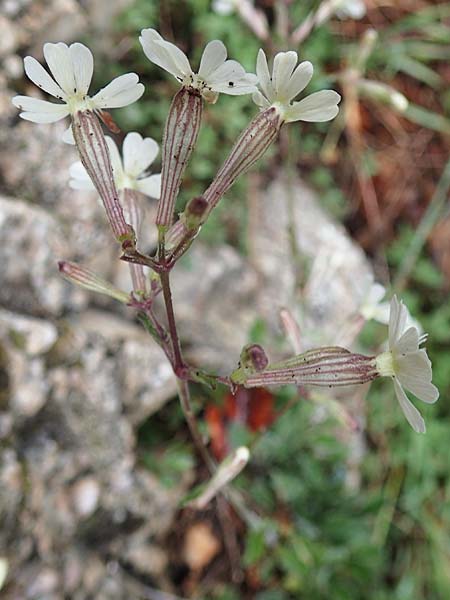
(186, 405)
(181, 373)
(178, 365)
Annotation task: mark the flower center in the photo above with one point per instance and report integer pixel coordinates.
(126, 181)
(79, 102)
(385, 365)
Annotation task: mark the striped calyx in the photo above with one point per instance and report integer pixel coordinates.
(327, 367)
(180, 134)
(95, 158)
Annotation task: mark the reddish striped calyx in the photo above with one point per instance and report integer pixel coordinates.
(329, 366)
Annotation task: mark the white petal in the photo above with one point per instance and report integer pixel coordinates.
(122, 90)
(223, 7)
(214, 55)
(150, 186)
(60, 64)
(260, 100)
(116, 159)
(283, 67)
(393, 320)
(231, 78)
(80, 180)
(318, 107)
(83, 66)
(411, 413)
(164, 54)
(397, 321)
(376, 293)
(239, 88)
(414, 373)
(230, 70)
(39, 76)
(381, 313)
(138, 153)
(408, 341)
(67, 136)
(299, 80)
(262, 72)
(40, 111)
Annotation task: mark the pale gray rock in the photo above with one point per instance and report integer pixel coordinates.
(320, 282)
(32, 242)
(10, 38)
(85, 496)
(23, 341)
(145, 380)
(33, 336)
(214, 293)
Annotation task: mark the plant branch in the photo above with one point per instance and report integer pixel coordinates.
(178, 365)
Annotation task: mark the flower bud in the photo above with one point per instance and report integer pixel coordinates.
(194, 211)
(85, 278)
(254, 357)
(384, 93)
(180, 134)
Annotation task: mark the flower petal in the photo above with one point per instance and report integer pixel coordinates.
(283, 67)
(214, 55)
(138, 153)
(150, 186)
(83, 66)
(381, 313)
(164, 54)
(263, 74)
(260, 100)
(231, 78)
(79, 179)
(376, 293)
(40, 111)
(408, 341)
(122, 90)
(299, 79)
(223, 7)
(239, 88)
(60, 64)
(411, 413)
(39, 76)
(414, 373)
(397, 321)
(318, 107)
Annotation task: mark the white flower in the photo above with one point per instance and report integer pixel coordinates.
(286, 82)
(407, 364)
(138, 155)
(223, 7)
(350, 9)
(72, 68)
(215, 75)
(372, 306)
